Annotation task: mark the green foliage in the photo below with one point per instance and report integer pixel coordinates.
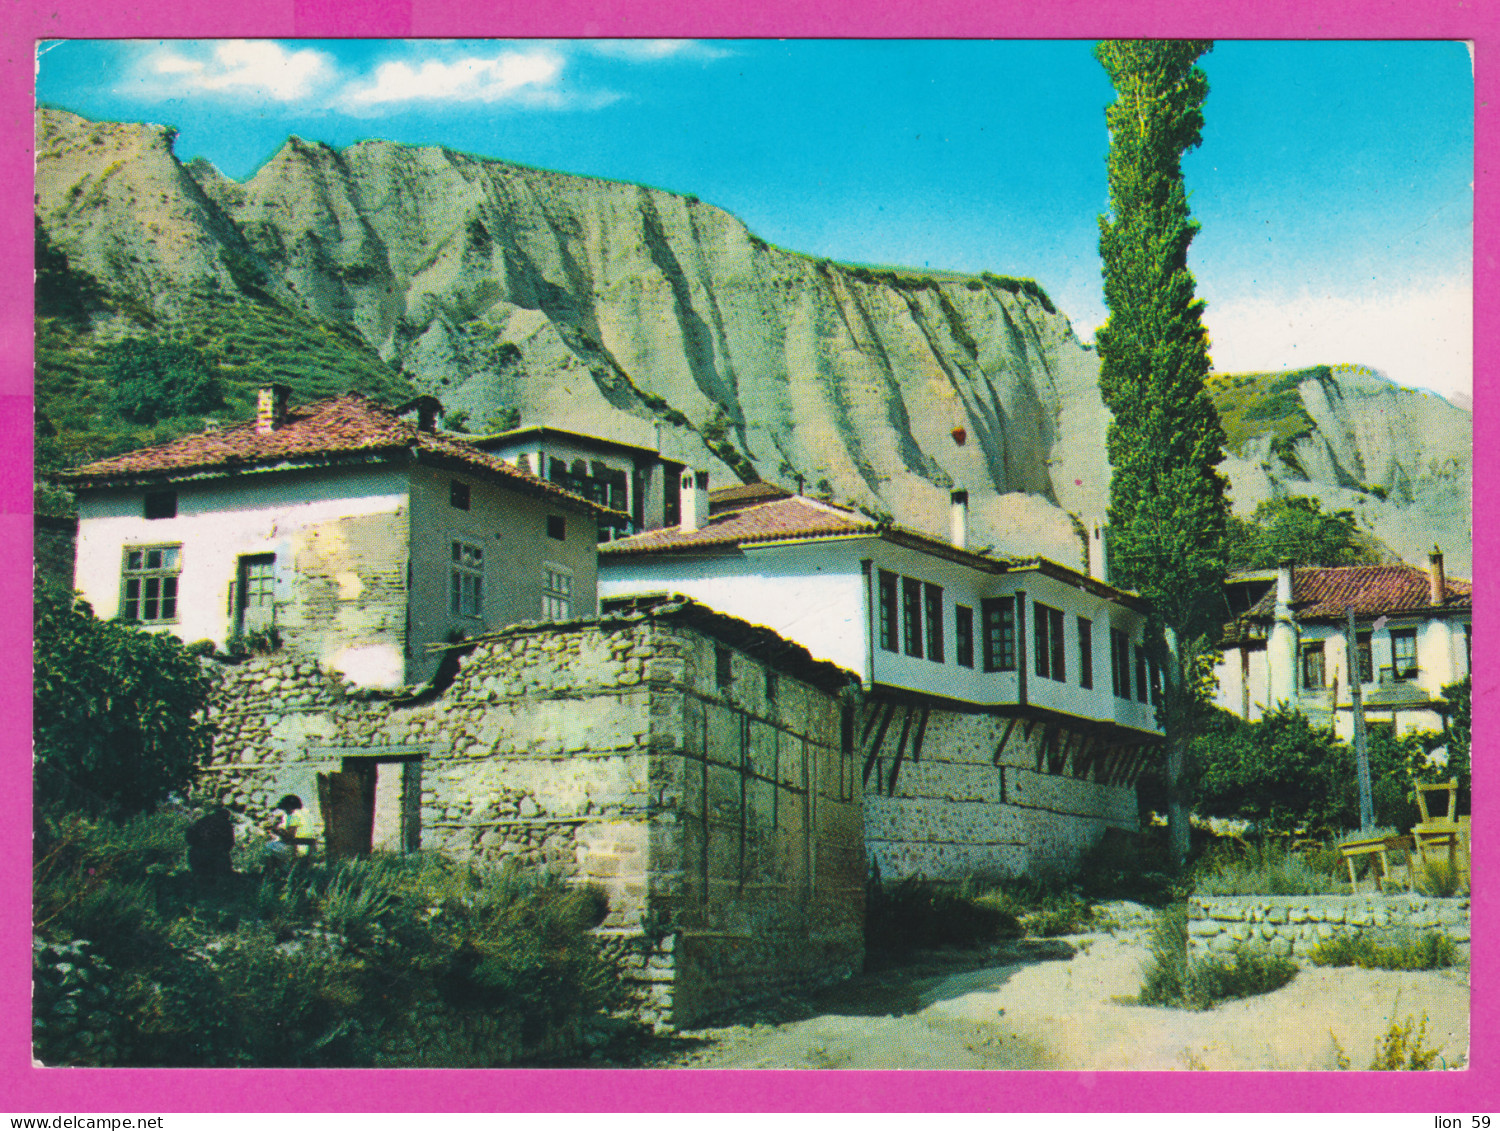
(154, 380)
(1171, 980)
(715, 433)
(1285, 774)
(62, 291)
(1267, 868)
(117, 717)
(1295, 528)
(503, 420)
(321, 964)
(1438, 877)
(1264, 404)
(1456, 698)
(244, 345)
(1401, 1049)
(1430, 951)
(906, 915)
(1167, 505)
(1043, 909)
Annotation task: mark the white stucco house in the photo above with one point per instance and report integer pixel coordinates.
(1008, 703)
(359, 533)
(1288, 644)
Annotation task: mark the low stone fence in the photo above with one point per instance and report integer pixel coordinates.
(1291, 925)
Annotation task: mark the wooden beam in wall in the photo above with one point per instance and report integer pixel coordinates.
(1004, 738)
(885, 722)
(900, 753)
(916, 744)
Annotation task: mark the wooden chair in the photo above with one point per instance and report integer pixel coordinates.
(1437, 832)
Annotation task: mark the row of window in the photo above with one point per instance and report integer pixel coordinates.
(150, 574)
(1403, 659)
(911, 621)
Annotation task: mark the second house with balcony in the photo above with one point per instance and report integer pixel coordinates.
(1008, 704)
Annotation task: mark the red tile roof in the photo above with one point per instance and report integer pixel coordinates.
(1326, 593)
(796, 517)
(350, 425)
(743, 495)
(799, 517)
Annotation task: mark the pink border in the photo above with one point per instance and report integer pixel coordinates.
(28, 1089)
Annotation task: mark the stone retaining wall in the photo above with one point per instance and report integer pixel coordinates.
(1291, 925)
(704, 788)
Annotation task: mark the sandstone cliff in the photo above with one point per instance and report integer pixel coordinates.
(614, 309)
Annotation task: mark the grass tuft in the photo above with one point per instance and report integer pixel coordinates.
(1172, 980)
(1430, 951)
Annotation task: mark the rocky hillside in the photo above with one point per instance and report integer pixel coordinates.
(613, 308)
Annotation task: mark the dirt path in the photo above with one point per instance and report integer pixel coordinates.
(1053, 1004)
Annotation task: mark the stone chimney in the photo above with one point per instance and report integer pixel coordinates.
(694, 499)
(1437, 583)
(1281, 642)
(271, 409)
(958, 520)
(1284, 588)
(1098, 564)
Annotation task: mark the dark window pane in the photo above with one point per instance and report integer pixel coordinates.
(1040, 638)
(963, 635)
(911, 616)
(557, 527)
(934, 598)
(888, 611)
(1085, 653)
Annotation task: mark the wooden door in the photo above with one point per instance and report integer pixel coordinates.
(348, 803)
(257, 593)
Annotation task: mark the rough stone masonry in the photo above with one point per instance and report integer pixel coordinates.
(695, 767)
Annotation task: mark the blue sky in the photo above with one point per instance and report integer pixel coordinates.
(1334, 183)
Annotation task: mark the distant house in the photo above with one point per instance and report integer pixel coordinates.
(1008, 703)
(359, 534)
(1288, 644)
(639, 483)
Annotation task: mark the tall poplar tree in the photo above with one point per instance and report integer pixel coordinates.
(1167, 508)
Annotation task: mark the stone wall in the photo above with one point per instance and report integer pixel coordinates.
(719, 814)
(1291, 925)
(951, 794)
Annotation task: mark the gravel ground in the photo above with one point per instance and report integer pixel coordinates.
(1065, 1004)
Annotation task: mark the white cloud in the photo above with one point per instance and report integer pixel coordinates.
(650, 50)
(1418, 335)
(245, 68)
(528, 76)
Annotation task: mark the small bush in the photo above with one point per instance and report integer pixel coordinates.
(317, 965)
(1266, 869)
(1401, 1050)
(1431, 951)
(907, 915)
(1043, 910)
(1438, 878)
(1171, 980)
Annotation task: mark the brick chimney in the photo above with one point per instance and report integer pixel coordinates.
(694, 499)
(1437, 583)
(271, 409)
(958, 520)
